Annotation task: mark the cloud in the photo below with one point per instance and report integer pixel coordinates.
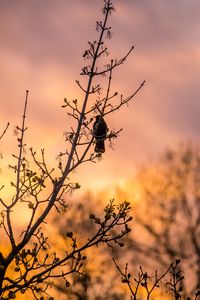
(41, 49)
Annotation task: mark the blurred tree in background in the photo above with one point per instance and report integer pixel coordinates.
(167, 216)
(165, 236)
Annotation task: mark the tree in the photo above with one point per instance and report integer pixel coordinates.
(97, 268)
(30, 264)
(147, 286)
(168, 213)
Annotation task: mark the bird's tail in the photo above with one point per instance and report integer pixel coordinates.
(100, 146)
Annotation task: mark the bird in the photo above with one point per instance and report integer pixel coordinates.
(99, 131)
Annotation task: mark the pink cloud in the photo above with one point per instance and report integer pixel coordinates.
(41, 50)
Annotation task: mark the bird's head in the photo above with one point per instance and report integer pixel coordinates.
(98, 117)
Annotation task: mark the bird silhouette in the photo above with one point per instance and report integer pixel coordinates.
(100, 130)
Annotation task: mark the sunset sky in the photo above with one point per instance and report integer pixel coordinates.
(42, 43)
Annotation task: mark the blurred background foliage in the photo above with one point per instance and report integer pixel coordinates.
(165, 227)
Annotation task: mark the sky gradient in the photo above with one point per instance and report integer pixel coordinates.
(42, 43)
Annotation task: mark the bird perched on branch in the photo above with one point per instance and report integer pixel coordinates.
(100, 130)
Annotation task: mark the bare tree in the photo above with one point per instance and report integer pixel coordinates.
(168, 215)
(148, 286)
(96, 275)
(30, 264)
